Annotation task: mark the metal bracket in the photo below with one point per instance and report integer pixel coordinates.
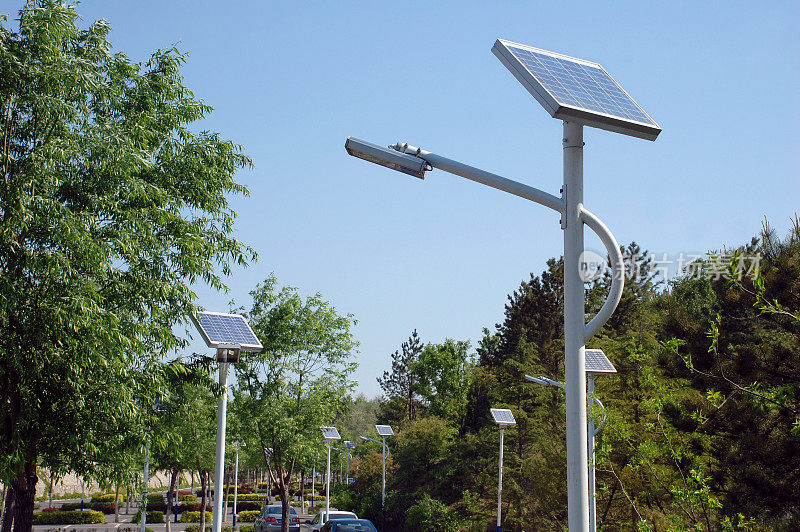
(563, 220)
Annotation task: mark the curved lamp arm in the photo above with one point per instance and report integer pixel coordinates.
(617, 273)
(602, 409)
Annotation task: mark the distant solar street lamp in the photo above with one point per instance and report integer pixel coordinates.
(329, 434)
(504, 418)
(596, 362)
(229, 334)
(580, 93)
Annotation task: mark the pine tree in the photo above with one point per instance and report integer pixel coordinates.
(401, 383)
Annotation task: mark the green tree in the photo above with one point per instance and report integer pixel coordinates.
(401, 384)
(298, 383)
(110, 207)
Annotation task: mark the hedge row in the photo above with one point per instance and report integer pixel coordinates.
(153, 516)
(194, 517)
(248, 516)
(104, 498)
(68, 518)
(196, 528)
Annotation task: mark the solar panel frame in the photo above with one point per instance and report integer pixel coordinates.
(564, 110)
(237, 330)
(330, 433)
(598, 362)
(503, 416)
(384, 430)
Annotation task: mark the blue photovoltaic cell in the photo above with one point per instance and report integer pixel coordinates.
(330, 433)
(598, 362)
(384, 430)
(503, 416)
(350, 445)
(578, 84)
(226, 329)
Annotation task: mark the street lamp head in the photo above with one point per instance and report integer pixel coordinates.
(544, 381)
(390, 158)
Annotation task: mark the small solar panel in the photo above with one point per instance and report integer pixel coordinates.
(574, 89)
(503, 416)
(218, 328)
(598, 362)
(330, 433)
(384, 430)
(349, 444)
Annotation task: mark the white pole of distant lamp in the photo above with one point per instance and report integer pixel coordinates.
(328, 484)
(225, 352)
(235, 485)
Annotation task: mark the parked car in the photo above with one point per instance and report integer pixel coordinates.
(316, 524)
(349, 525)
(271, 519)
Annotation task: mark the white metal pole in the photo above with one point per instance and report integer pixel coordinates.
(574, 324)
(219, 466)
(314, 481)
(328, 486)
(500, 480)
(592, 494)
(146, 478)
(383, 474)
(235, 487)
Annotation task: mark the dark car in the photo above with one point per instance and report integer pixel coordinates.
(349, 525)
(271, 520)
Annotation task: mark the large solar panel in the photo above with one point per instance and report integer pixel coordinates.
(384, 430)
(503, 416)
(330, 433)
(598, 362)
(574, 89)
(218, 328)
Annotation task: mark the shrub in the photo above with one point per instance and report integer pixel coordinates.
(244, 506)
(196, 528)
(155, 497)
(68, 518)
(253, 497)
(153, 516)
(194, 517)
(187, 497)
(248, 516)
(70, 506)
(105, 508)
(105, 498)
(432, 514)
(193, 507)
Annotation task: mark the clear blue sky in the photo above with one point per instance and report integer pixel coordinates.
(291, 80)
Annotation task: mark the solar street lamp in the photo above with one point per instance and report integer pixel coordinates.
(229, 334)
(350, 446)
(596, 363)
(580, 93)
(504, 418)
(330, 434)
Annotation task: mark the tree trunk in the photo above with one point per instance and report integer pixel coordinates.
(24, 495)
(8, 508)
(285, 504)
(171, 497)
(203, 499)
(116, 504)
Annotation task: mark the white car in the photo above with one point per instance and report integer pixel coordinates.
(316, 524)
